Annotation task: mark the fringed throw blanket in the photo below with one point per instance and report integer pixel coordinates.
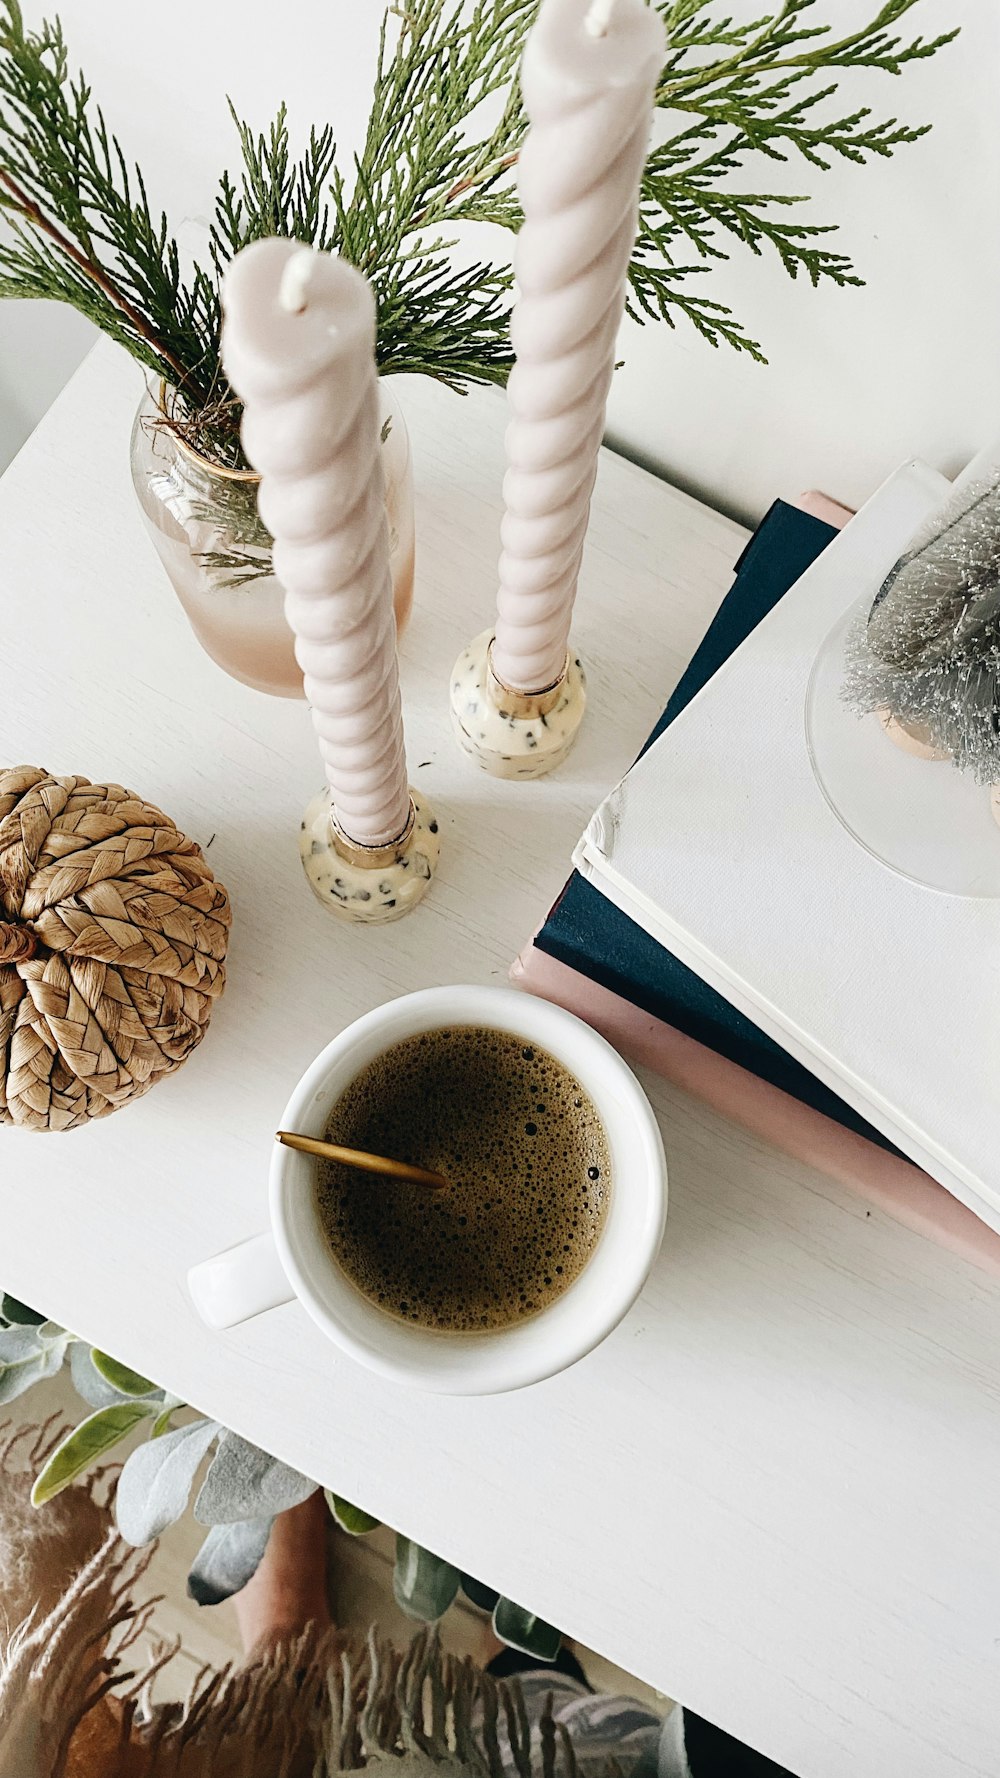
(75, 1703)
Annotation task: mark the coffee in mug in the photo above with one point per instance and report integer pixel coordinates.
(529, 1172)
(612, 1246)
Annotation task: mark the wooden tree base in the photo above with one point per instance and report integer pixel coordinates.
(911, 737)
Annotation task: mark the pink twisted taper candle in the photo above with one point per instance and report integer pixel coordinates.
(299, 351)
(588, 75)
(298, 347)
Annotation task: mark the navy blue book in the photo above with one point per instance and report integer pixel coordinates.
(593, 936)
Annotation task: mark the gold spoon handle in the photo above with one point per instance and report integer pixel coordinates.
(359, 1157)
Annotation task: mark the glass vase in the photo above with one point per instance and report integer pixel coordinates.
(203, 521)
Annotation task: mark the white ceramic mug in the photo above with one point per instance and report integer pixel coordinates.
(293, 1259)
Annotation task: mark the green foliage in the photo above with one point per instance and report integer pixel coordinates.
(120, 1376)
(243, 1489)
(424, 1584)
(156, 1481)
(93, 1384)
(82, 227)
(162, 1422)
(84, 232)
(28, 1354)
(82, 1447)
(350, 1518)
(228, 1558)
(244, 1482)
(440, 150)
(485, 1597)
(756, 90)
(13, 1313)
(421, 171)
(522, 1629)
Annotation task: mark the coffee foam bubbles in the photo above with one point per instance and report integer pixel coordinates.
(529, 1180)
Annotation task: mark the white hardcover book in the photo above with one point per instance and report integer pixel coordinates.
(721, 844)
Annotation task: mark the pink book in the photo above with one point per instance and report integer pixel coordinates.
(904, 1191)
(800, 1130)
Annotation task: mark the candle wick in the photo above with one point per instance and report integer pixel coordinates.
(295, 280)
(599, 17)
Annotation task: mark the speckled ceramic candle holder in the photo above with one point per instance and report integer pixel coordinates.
(368, 885)
(514, 734)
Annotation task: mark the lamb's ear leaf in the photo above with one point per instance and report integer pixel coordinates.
(228, 1558)
(18, 1344)
(244, 1482)
(28, 1356)
(87, 1380)
(15, 1379)
(99, 1433)
(156, 1482)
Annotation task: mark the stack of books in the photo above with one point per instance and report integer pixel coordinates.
(723, 927)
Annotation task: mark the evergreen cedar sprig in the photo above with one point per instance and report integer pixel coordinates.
(81, 229)
(750, 99)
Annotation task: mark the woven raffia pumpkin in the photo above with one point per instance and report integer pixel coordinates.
(113, 935)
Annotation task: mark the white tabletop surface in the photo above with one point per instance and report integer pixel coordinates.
(771, 1493)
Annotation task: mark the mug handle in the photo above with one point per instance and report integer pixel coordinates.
(239, 1283)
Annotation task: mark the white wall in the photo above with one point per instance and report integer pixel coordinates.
(41, 345)
(856, 379)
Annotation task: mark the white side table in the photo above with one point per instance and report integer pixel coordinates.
(771, 1492)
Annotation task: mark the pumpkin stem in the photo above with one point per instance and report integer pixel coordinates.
(17, 942)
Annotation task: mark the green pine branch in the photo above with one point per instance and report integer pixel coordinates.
(440, 153)
(750, 90)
